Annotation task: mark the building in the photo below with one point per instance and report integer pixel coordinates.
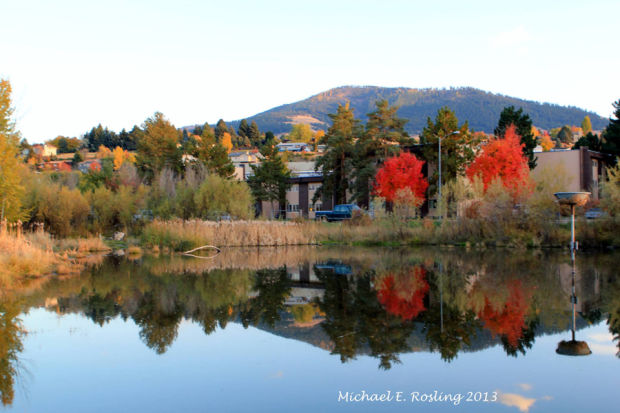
(294, 147)
(305, 182)
(584, 168)
(44, 150)
(90, 165)
(242, 161)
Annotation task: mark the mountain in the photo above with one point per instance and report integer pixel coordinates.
(480, 108)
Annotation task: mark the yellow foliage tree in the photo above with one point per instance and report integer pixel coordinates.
(535, 132)
(104, 152)
(121, 156)
(11, 190)
(227, 141)
(301, 133)
(546, 142)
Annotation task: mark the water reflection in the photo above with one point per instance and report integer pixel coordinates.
(349, 301)
(11, 334)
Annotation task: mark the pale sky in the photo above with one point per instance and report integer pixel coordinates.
(76, 63)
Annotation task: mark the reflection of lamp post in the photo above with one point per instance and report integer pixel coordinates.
(439, 163)
(573, 347)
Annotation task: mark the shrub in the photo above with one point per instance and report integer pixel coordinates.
(219, 195)
(64, 211)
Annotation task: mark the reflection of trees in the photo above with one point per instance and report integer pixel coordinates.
(354, 317)
(158, 323)
(11, 334)
(507, 320)
(272, 287)
(449, 323)
(402, 293)
(448, 334)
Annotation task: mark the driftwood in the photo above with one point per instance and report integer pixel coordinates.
(189, 253)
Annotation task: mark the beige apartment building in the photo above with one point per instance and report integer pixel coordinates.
(583, 167)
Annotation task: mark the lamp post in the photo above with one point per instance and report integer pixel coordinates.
(439, 163)
(573, 347)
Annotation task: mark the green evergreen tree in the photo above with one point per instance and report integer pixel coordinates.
(218, 162)
(384, 132)
(336, 163)
(254, 134)
(458, 146)
(220, 129)
(244, 128)
(512, 116)
(566, 135)
(611, 135)
(590, 141)
(271, 178)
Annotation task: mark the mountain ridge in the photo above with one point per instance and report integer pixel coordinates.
(480, 108)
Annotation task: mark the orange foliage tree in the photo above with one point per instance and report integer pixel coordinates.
(399, 172)
(502, 158)
(509, 320)
(403, 294)
(546, 142)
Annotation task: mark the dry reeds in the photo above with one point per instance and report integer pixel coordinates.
(21, 257)
(184, 235)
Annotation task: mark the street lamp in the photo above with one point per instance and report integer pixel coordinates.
(439, 162)
(573, 199)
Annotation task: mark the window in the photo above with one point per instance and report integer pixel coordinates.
(292, 208)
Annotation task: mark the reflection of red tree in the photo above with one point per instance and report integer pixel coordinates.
(509, 321)
(403, 294)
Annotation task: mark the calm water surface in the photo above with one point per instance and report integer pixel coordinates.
(294, 329)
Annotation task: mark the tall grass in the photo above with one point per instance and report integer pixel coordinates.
(181, 235)
(21, 257)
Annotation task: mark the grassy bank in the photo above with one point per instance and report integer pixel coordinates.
(510, 232)
(180, 235)
(513, 233)
(31, 255)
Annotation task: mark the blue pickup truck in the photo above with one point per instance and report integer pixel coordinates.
(340, 212)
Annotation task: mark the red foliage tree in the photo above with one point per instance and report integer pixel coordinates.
(502, 158)
(403, 294)
(508, 321)
(399, 172)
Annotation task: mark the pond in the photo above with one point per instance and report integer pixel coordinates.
(317, 329)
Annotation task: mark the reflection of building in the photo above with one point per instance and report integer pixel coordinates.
(584, 168)
(305, 285)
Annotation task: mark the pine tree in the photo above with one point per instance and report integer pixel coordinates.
(220, 129)
(271, 178)
(611, 135)
(244, 129)
(336, 162)
(458, 146)
(384, 131)
(524, 129)
(254, 134)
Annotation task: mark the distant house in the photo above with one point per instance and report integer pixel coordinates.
(58, 166)
(44, 150)
(89, 165)
(585, 168)
(293, 147)
(242, 161)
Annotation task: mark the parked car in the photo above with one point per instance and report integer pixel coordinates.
(340, 212)
(594, 213)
